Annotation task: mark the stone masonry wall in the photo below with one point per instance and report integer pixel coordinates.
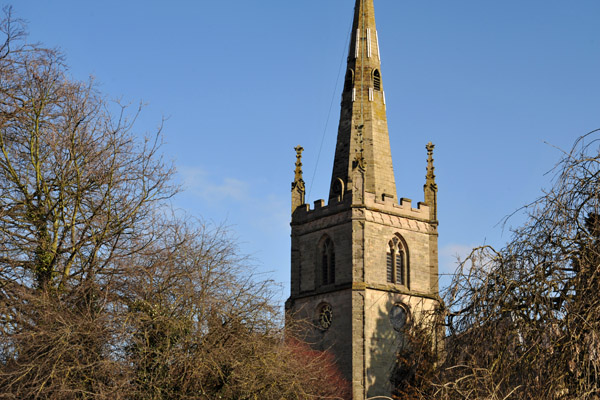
(361, 336)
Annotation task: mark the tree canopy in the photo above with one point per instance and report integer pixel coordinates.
(523, 322)
(105, 292)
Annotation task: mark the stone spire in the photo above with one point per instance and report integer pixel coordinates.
(298, 189)
(363, 114)
(430, 188)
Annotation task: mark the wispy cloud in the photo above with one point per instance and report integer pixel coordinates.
(246, 202)
(258, 215)
(453, 253)
(211, 188)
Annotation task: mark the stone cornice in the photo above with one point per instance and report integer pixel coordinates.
(362, 286)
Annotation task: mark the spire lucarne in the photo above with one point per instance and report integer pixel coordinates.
(363, 121)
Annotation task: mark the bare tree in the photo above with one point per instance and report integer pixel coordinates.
(77, 189)
(103, 293)
(78, 194)
(524, 321)
(204, 327)
(417, 359)
(13, 31)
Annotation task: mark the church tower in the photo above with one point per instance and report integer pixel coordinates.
(365, 264)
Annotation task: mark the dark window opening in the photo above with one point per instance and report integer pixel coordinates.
(377, 80)
(396, 262)
(324, 269)
(349, 79)
(390, 267)
(327, 263)
(332, 266)
(400, 267)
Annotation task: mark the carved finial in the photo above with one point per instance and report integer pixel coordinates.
(430, 186)
(430, 177)
(359, 158)
(298, 171)
(298, 189)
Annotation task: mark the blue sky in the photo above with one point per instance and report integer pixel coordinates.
(498, 86)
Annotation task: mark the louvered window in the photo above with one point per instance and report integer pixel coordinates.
(331, 266)
(400, 267)
(390, 267)
(377, 80)
(397, 262)
(327, 263)
(325, 268)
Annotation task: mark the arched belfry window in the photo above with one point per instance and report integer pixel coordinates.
(397, 262)
(377, 80)
(327, 261)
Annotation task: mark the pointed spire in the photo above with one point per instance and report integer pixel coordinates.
(363, 113)
(430, 188)
(298, 188)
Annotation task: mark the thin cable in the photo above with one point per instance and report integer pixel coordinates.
(329, 112)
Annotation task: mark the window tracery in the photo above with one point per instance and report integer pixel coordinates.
(327, 262)
(397, 262)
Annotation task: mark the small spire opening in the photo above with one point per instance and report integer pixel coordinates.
(376, 80)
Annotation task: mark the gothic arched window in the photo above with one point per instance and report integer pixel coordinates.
(397, 262)
(376, 80)
(327, 261)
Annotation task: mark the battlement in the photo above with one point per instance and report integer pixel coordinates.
(404, 209)
(385, 204)
(320, 209)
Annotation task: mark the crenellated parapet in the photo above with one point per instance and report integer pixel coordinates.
(404, 209)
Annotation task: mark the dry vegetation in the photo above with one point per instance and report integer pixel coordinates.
(103, 293)
(523, 322)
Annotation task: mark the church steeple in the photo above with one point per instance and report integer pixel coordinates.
(364, 261)
(363, 133)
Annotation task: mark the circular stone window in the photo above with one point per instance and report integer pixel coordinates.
(399, 316)
(325, 316)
